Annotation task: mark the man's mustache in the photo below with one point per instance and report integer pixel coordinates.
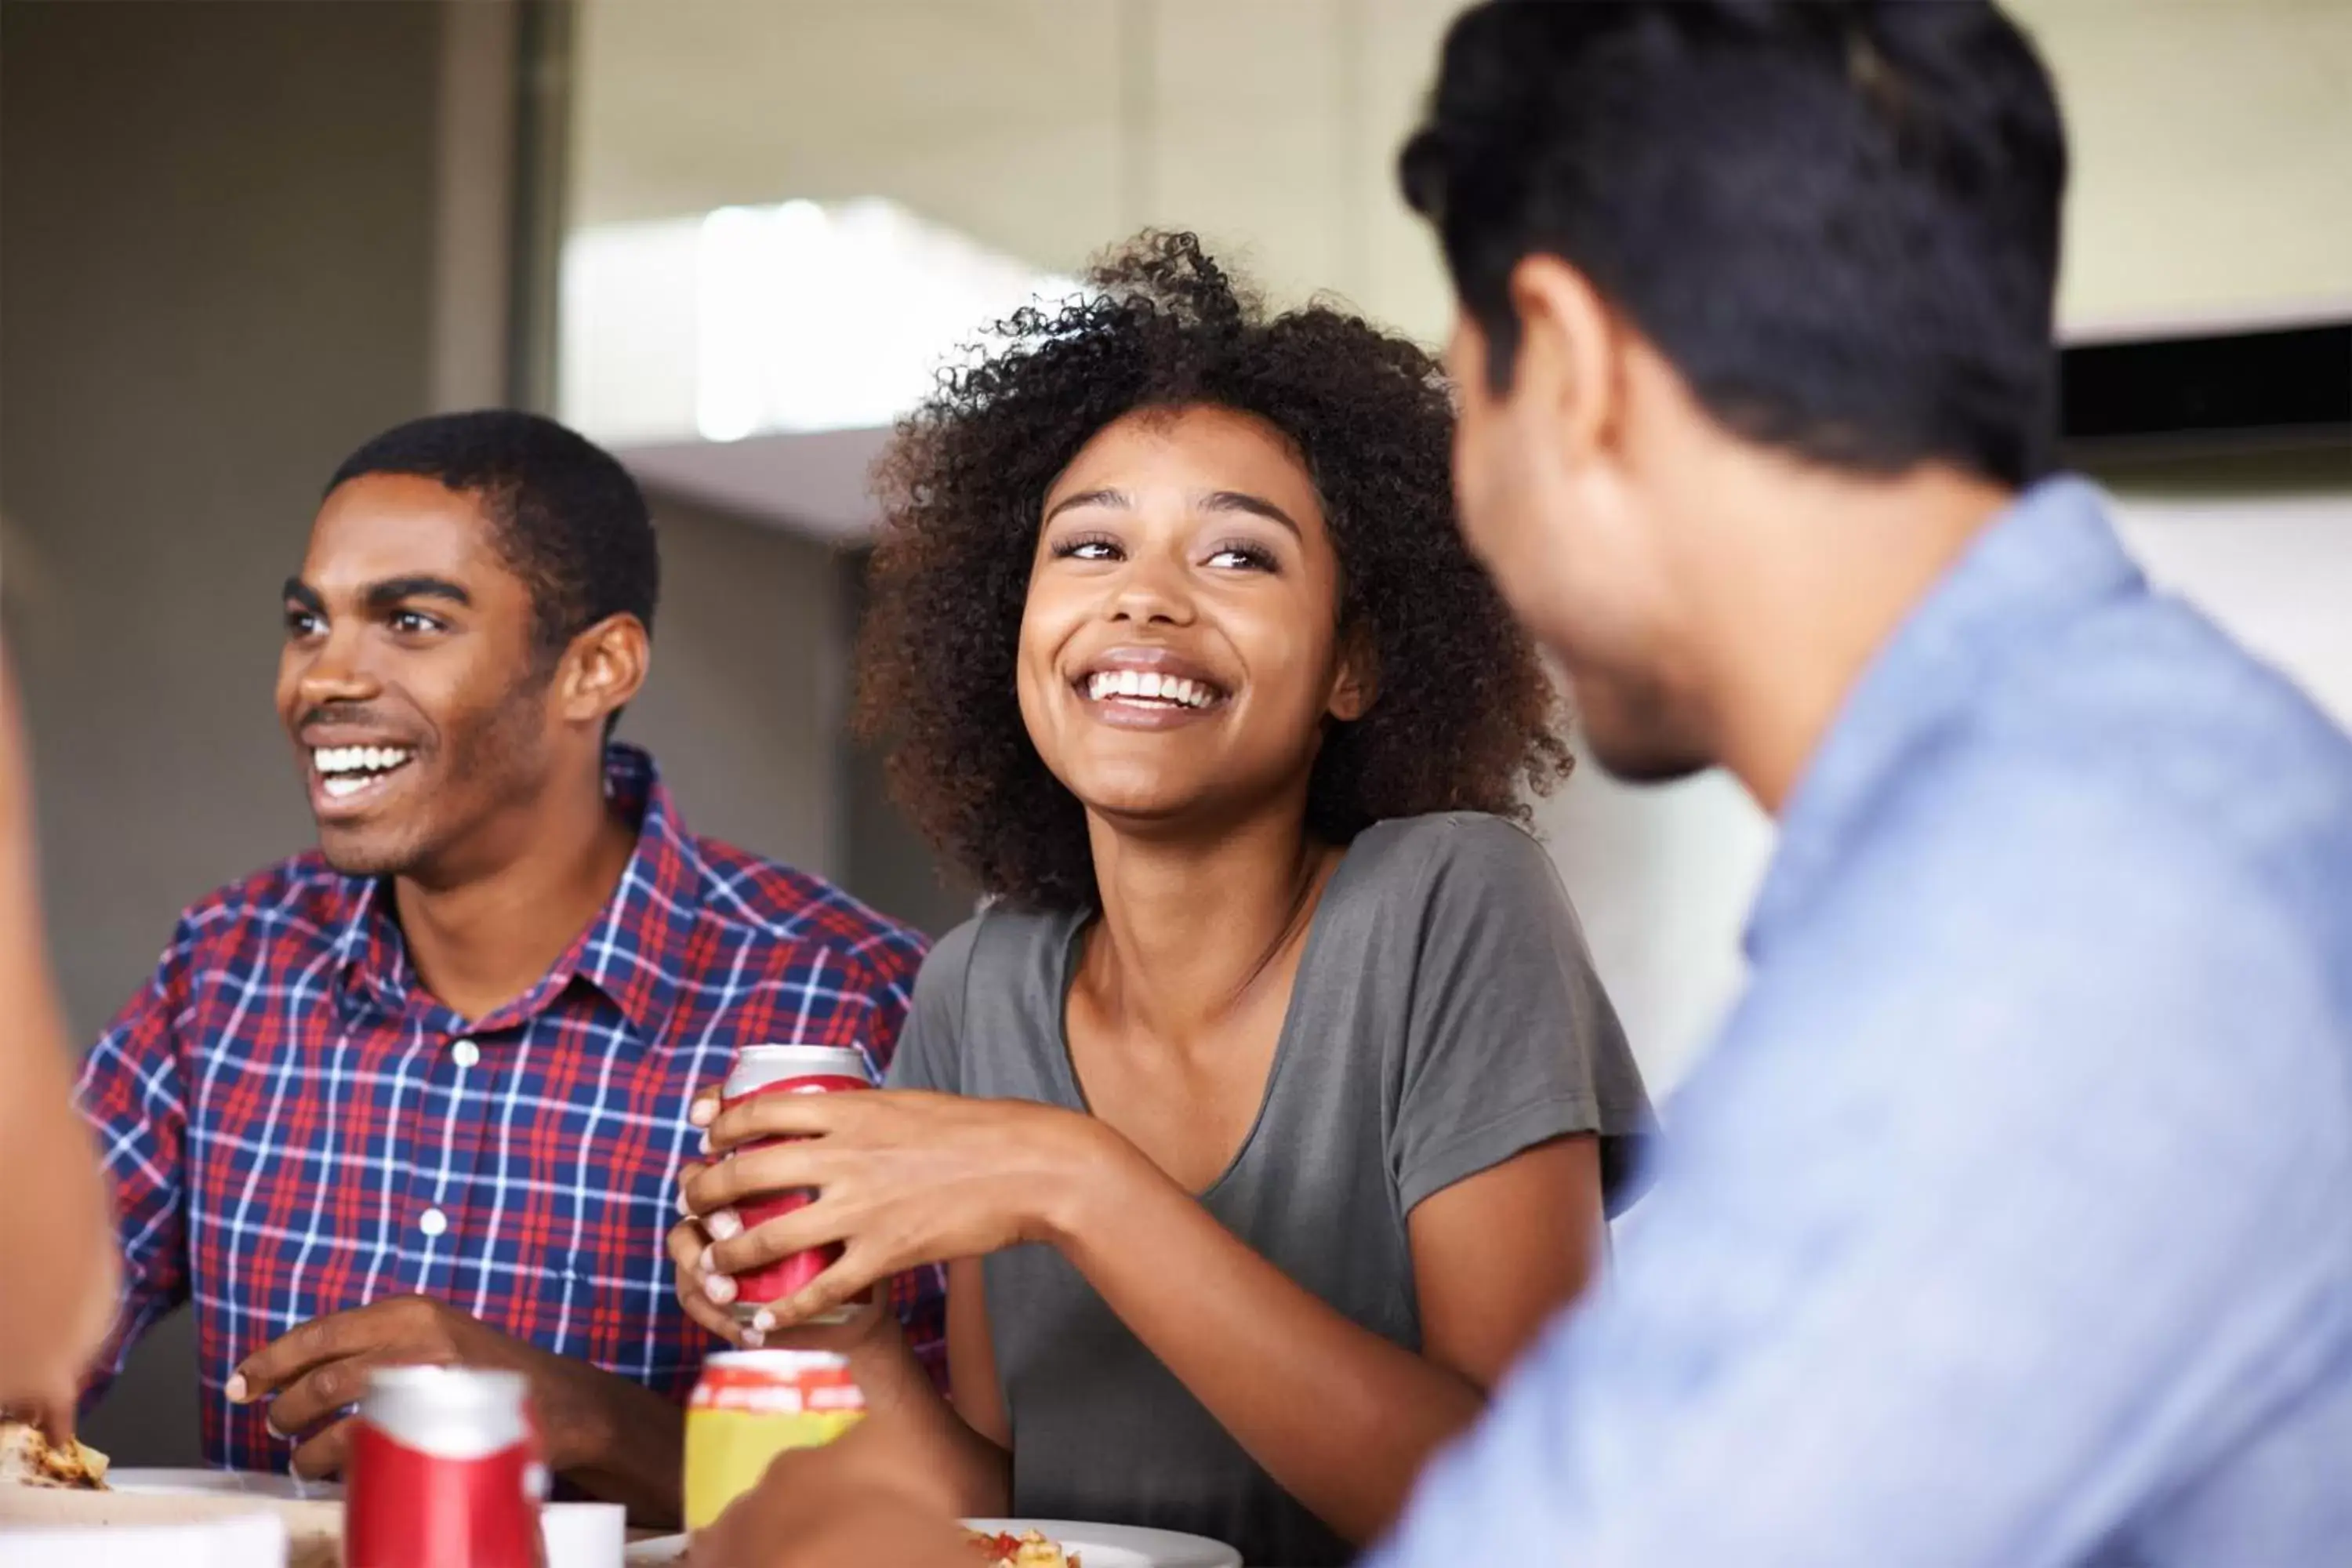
(357, 716)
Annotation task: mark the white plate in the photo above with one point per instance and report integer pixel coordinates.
(221, 1483)
(1101, 1545)
(1122, 1545)
(256, 1540)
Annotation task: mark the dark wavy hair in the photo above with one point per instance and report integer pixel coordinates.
(1839, 218)
(1467, 718)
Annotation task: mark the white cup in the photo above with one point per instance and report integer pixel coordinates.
(582, 1534)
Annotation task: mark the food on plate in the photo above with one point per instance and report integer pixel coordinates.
(1026, 1550)
(27, 1458)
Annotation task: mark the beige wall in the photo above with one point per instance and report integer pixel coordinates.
(222, 264)
(743, 707)
(217, 223)
(215, 245)
(2211, 141)
(2211, 136)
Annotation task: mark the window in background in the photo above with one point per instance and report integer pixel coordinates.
(796, 318)
(781, 215)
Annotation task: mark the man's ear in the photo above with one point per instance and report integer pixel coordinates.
(605, 669)
(1566, 367)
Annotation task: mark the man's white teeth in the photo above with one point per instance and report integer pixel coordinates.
(1150, 686)
(331, 761)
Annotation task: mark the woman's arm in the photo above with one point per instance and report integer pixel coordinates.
(1479, 1312)
(1340, 1417)
(971, 1357)
(957, 1454)
(982, 1468)
(55, 1237)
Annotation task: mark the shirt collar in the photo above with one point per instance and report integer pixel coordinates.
(2039, 566)
(630, 951)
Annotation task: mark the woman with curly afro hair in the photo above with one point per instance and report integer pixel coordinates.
(1270, 1105)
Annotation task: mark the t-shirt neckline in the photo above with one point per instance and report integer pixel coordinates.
(1064, 1067)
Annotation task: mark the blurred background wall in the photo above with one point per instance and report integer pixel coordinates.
(731, 238)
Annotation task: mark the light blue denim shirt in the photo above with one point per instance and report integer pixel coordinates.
(2009, 1222)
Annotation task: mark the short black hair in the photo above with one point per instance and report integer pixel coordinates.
(568, 518)
(1839, 220)
(1466, 717)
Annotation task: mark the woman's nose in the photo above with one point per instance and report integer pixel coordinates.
(1151, 589)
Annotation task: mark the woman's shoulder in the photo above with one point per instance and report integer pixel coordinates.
(1001, 944)
(997, 927)
(1455, 853)
(987, 1005)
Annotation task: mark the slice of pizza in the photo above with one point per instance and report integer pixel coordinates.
(1027, 1550)
(27, 1458)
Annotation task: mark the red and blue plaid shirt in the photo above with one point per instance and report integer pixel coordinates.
(293, 1126)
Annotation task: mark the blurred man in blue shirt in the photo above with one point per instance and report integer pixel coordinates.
(2009, 1222)
(2009, 1219)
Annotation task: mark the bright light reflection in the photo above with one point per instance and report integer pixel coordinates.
(804, 318)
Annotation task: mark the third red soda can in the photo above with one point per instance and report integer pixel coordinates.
(444, 1472)
(787, 1070)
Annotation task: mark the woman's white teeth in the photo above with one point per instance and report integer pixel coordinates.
(1150, 686)
(348, 761)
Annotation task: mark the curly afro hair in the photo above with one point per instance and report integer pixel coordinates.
(1466, 719)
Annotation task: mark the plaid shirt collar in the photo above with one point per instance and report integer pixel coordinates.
(630, 952)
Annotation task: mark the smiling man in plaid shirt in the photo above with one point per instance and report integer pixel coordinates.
(420, 1095)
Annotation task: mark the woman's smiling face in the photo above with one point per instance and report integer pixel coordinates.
(1180, 645)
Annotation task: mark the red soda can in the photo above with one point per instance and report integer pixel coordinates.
(787, 1070)
(444, 1472)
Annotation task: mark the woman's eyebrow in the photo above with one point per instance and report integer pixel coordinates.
(1089, 497)
(1256, 506)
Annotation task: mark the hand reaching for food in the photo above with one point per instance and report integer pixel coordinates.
(35, 1452)
(54, 1232)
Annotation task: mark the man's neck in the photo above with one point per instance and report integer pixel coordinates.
(480, 942)
(1812, 585)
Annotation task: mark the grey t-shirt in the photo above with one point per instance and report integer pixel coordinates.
(1444, 1016)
